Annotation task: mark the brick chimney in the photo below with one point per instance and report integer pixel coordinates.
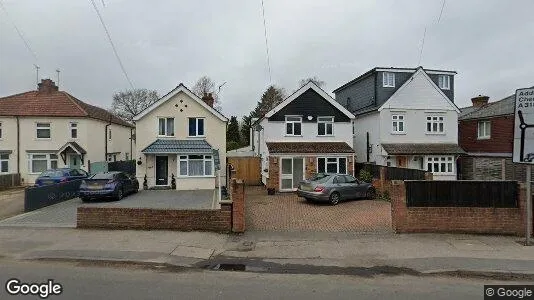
(208, 98)
(47, 86)
(480, 101)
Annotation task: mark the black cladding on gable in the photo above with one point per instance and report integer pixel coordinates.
(310, 103)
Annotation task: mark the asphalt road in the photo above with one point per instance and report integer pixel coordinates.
(83, 281)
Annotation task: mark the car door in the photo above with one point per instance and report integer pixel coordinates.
(340, 186)
(351, 186)
(125, 182)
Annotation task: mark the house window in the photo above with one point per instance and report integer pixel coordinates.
(434, 124)
(332, 165)
(126, 156)
(293, 125)
(444, 82)
(4, 163)
(43, 130)
(388, 79)
(166, 127)
(112, 157)
(484, 130)
(74, 130)
(325, 125)
(196, 127)
(397, 123)
(440, 164)
(109, 134)
(196, 165)
(42, 162)
(0, 130)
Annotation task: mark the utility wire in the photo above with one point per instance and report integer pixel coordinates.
(441, 12)
(422, 45)
(266, 42)
(112, 45)
(26, 43)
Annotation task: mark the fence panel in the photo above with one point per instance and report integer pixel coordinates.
(39, 197)
(498, 194)
(247, 168)
(127, 166)
(394, 173)
(97, 167)
(9, 180)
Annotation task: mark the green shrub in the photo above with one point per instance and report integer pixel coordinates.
(365, 176)
(384, 196)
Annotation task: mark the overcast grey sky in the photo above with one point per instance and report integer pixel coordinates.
(162, 43)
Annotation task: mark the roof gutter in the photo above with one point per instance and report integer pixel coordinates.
(18, 144)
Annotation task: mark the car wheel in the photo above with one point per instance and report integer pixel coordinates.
(119, 194)
(84, 199)
(334, 198)
(371, 194)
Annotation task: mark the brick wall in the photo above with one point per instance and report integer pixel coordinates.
(455, 219)
(230, 217)
(502, 134)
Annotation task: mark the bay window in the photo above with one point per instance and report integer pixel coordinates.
(195, 165)
(4, 163)
(42, 162)
(332, 165)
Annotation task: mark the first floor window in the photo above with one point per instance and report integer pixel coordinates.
(74, 130)
(0, 130)
(434, 124)
(196, 165)
(4, 163)
(440, 164)
(398, 123)
(293, 126)
(196, 127)
(484, 130)
(166, 126)
(42, 162)
(325, 125)
(43, 130)
(332, 165)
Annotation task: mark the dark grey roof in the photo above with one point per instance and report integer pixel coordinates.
(505, 106)
(420, 148)
(179, 147)
(75, 146)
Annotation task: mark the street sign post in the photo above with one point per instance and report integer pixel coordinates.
(524, 144)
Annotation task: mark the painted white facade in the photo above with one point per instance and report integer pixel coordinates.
(91, 137)
(418, 99)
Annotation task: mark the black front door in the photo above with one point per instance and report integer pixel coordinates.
(161, 170)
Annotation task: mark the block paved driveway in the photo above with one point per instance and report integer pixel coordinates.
(288, 212)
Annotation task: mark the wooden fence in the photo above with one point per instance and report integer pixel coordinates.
(247, 169)
(9, 180)
(468, 193)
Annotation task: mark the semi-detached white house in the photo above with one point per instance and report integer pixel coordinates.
(181, 136)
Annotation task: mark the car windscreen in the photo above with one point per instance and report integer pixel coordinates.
(52, 173)
(102, 176)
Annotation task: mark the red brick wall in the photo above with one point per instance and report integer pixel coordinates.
(455, 219)
(501, 141)
(238, 205)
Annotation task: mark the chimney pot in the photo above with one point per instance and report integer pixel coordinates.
(47, 86)
(480, 101)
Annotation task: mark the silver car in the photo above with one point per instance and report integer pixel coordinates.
(333, 188)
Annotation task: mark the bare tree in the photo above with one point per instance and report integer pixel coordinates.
(313, 79)
(206, 85)
(129, 103)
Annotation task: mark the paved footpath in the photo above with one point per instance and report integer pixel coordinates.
(424, 253)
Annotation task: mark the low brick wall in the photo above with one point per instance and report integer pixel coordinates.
(509, 221)
(229, 218)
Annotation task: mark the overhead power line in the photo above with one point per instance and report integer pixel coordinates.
(266, 42)
(422, 46)
(112, 44)
(26, 43)
(441, 12)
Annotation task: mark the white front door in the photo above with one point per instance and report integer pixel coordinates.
(291, 173)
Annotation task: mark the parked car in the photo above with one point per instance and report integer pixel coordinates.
(333, 188)
(108, 185)
(53, 176)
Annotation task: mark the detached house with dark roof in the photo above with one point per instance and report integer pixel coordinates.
(49, 128)
(405, 118)
(308, 132)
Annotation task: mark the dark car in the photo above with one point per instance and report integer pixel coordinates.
(114, 185)
(333, 188)
(54, 176)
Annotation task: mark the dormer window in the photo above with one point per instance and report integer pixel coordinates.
(444, 82)
(388, 79)
(293, 126)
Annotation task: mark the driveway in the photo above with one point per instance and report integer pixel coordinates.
(11, 202)
(64, 214)
(287, 212)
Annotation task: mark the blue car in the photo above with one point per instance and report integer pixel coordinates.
(54, 176)
(113, 185)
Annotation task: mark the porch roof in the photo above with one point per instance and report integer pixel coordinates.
(74, 146)
(422, 148)
(161, 146)
(309, 147)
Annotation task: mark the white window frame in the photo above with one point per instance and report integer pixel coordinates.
(484, 130)
(326, 121)
(2, 160)
(331, 158)
(41, 126)
(293, 120)
(73, 127)
(1, 132)
(187, 158)
(444, 82)
(445, 164)
(196, 127)
(51, 159)
(396, 120)
(388, 79)
(166, 127)
(437, 124)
